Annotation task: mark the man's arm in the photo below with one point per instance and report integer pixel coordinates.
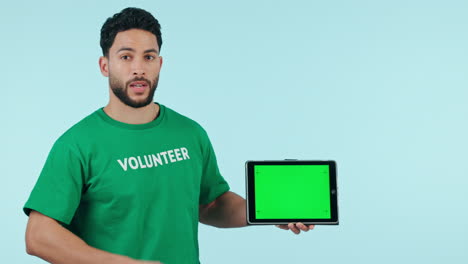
(47, 239)
(228, 210)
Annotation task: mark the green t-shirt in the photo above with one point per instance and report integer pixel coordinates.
(129, 189)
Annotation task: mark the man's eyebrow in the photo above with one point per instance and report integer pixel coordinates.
(125, 48)
(151, 50)
(133, 50)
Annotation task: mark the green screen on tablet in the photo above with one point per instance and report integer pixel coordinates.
(278, 197)
(292, 191)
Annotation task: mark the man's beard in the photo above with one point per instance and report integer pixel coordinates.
(122, 91)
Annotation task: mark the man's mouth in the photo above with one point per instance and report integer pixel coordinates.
(138, 86)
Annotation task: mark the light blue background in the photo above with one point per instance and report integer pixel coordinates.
(379, 86)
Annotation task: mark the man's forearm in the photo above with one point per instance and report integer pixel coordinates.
(228, 210)
(47, 239)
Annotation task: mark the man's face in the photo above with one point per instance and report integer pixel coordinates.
(133, 66)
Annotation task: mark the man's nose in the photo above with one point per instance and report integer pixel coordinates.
(138, 68)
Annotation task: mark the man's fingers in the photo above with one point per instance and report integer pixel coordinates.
(302, 227)
(284, 227)
(296, 227)
(293, 228)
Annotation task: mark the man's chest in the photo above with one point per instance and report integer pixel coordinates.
(137, 170)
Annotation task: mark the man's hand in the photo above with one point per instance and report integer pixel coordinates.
(296, 227)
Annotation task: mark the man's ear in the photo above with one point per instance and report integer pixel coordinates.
(104, 66)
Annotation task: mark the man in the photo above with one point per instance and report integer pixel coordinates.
(129, 183)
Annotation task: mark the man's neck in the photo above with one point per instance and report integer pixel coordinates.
(126, 114)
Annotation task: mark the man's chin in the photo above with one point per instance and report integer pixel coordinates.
(128, 98)
(138, 103)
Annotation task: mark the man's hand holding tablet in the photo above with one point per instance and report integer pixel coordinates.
(296, 227)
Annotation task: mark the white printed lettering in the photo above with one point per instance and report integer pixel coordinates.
(135, 165)
(124, 164)
(185, 153)
(148, 161)
(177, 154)
(156, 160)
(164, 155)
(170, 153)
(141, 163)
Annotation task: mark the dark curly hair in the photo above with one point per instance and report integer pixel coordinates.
(128, 18)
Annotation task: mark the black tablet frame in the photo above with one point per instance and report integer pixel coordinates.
(250, 192)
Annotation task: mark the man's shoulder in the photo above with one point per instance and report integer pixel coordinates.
(182, 121)
(82, 129)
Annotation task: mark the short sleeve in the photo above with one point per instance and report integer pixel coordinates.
(57, 192)
(213, 183)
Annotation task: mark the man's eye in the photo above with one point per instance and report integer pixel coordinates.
(125, 57)
(149, 57)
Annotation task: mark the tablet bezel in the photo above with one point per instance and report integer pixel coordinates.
(250, 193)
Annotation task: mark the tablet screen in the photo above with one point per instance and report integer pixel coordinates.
(292, 191)
(278, 197)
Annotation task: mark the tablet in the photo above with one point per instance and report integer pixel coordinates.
(290, 191)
